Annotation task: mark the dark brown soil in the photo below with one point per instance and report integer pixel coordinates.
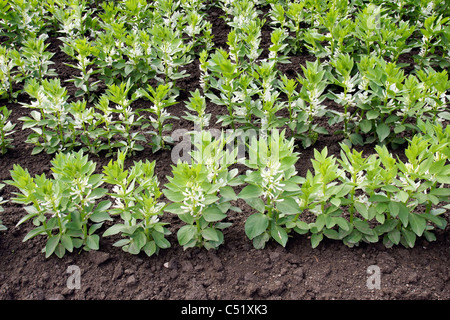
(236, 270)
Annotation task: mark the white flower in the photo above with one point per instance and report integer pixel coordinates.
(349, 99)
(363, 200)
(363, 84)
(439, 156)
(271, 179)
(80, 187)
(118, 204)
(193, 201)
(301, 202)
(426, 11)
(363, 97)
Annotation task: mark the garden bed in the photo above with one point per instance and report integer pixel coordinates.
(236, 270)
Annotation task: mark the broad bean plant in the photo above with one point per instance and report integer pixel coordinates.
(64, 208)
(136, 192)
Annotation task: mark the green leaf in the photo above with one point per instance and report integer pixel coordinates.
(444, 115)
(390, 188)
(356, 139)
(259, 242)
(60, 250)
(256, 224)
(417, 223)
(365, 126)
(76, 220)
(378, 198)
(363, 227)
(279, 234)
(257, 204)
(174, 208)
(331, 234)
(210, 234)
(342, 223)
(354, 237)
(121, 243)
(301, 227)
(160, 241)
(394, 208)
(102, 207)
(51, 244)
(150, 248)
(320, 223)
(139, 239)
(228, 193)
(187, 217)
(213, 214)
(409, 237)
(290, 186)
(186, 234)
(316, 238)
(394, 236)
(430, 236)
(403, 214)
(250, 191)
(440, 222)
(441, 192)
(115, 229)
(288, 206)
(383, 131)
(100, 216)
(66, 241)
(362, 209)
(386, 227)
(92, 242)
(173, 196)
(33, 233)
(26, 218)
(372, 114)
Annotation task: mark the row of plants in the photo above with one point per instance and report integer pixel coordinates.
(352, 198)
(118, 42)
(357, 46)
(379, 105)
(110, 125)
(390, 29)
(141, 41)
(377, 100)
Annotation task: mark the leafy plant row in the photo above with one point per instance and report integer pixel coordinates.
(110, 43)
(123, 45)
(380, 104)
(353, 198)
(358, 68)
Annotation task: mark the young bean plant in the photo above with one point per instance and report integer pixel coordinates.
(127, 119)
(136, 193)
(201, 194)
(314, 83)
(35, 59)
(271, 184)
(51, 124)
(6, 130)
(197, 104)
(8, 74)
(161, 98)
(82, 51)
(64, 208)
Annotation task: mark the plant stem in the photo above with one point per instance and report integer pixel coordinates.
(352, 198)
(230, 107)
